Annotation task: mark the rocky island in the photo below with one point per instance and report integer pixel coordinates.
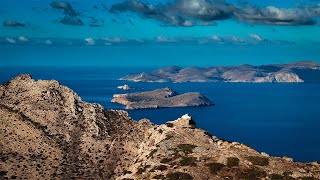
(161, 98)
(125, 87)
(48, 132)
(304, 71)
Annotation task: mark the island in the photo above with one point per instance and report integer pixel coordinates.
(125, 87)
(48, 132)
(298, 72)
(161, 98)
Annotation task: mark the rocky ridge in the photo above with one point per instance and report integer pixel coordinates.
(161, 98)
(304, 71)
(48, 132)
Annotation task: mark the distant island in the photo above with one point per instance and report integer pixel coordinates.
(298, 72)
(161, 98)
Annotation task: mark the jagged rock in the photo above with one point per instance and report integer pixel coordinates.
(160, 98)
(48, 132)
(304, 71)
(184, 121)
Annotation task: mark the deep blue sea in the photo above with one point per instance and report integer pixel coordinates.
(279, 119)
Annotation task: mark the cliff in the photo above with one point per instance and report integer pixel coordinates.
(305, 71)
(161, 98)
(48, 132)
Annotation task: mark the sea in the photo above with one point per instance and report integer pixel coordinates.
(278, 119)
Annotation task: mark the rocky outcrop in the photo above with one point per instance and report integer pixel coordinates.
(305, 71)
(160, 98)
(125, 87)
(48, 132)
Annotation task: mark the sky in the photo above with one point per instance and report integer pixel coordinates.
(159, 32)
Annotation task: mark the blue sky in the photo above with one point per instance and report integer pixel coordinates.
(288, 29)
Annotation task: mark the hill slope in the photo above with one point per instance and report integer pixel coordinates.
(48, 132)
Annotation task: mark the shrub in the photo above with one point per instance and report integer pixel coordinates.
(309, 178)
(215, 167)
(140, 171)
(169, 125)
(168, 136)
(188, 161)
(259, 161)
(250, 174)
(166, 160)
(186, 148)
(280, 177)
(160, 168)
(159, 177)
(232, 161)
(276, 177)
(179, 176)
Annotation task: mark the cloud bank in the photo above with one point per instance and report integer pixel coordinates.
(206, 12)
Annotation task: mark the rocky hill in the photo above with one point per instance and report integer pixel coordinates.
(48, 132)
(161, 98)
(304, 71)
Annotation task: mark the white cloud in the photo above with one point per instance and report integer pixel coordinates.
(10, 40)
(90, 41)
(256, 37)
(164, 39)
(48, 42)
(23, 39)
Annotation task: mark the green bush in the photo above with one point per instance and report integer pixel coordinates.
(166, 160)
(169, 125)
(179, 176)
(309, 178)
(186, 148)
(259, 161)
(188, 161)
(276, 177)
(160, 168)
(232, 161)
(162, 177)
(215, 167)
(250, 174)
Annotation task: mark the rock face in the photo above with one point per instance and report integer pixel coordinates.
(48, 132)
(160, 98)
(305, 71)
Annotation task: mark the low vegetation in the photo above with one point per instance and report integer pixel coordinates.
(179, 176)
(169, 125)
(250, 174)
(188, 161)
(160, 168)
(232, 162)
(160, 176)
(259, 161)
(186, 148)
(215, 167)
